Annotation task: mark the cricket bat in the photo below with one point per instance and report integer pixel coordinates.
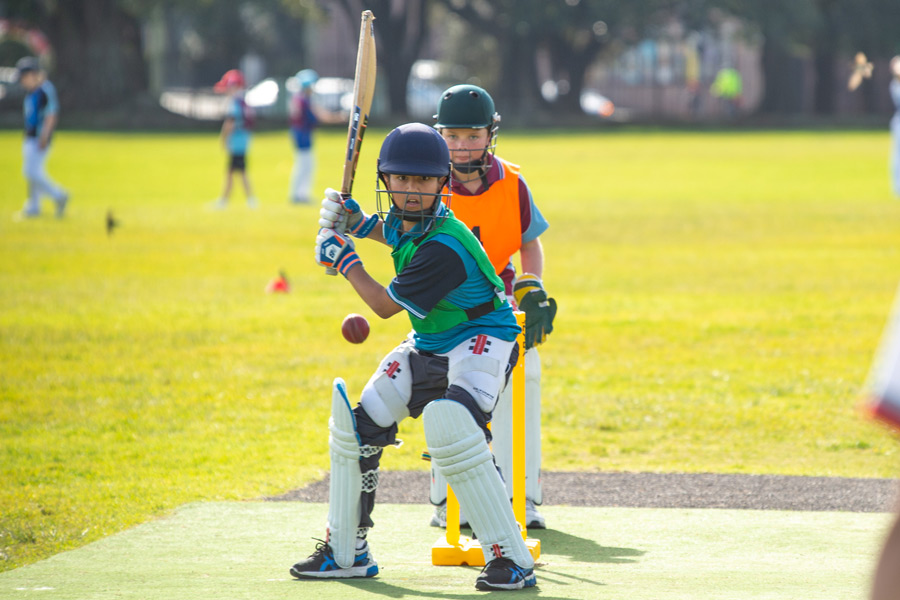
(363, 91)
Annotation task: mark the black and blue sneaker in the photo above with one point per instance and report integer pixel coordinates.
(503, 574)
(321, 564)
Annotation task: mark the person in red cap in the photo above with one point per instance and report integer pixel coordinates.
(235, 135)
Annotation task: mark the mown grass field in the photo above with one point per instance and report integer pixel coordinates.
(721, 296)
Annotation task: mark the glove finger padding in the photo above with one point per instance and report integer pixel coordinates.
(539, 314)
(332, 212)
(539, 308)
(552, 312)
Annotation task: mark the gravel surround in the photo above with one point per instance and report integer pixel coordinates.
(662, 490)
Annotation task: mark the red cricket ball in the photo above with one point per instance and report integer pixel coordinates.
(355, 328)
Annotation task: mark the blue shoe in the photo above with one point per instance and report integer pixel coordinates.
(503, 574)
(321, 564)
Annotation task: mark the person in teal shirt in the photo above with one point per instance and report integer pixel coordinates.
(450, 370)
(235, 135)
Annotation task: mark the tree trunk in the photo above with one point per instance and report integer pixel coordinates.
(400, 30)
(98, 53)
(519, 91)
(825, 59)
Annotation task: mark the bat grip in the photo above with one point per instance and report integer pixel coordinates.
(340, 229)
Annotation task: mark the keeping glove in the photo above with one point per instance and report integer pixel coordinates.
(345, 215)
(336, 250)
(539, 309)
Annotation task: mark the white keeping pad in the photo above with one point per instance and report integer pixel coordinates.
(501, 429)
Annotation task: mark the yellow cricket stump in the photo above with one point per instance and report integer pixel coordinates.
(454, 549)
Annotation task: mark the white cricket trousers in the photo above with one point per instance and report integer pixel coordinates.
(39, 183)
(301, 178)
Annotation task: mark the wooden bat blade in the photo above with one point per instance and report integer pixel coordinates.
(363, 92)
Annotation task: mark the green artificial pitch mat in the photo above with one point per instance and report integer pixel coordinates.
(238, 550)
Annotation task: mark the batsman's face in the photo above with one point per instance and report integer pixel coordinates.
(413, 192)
(466, 145)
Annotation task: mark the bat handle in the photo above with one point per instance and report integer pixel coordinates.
(340, 229)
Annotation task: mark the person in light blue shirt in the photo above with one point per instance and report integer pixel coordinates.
(41, 111)
(235, 135)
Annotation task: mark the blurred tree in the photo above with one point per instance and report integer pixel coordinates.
(97, 48)
(852, 27)
(786, 30)
(400, 31)
(99, 58)
(570, 33)
(827, 31)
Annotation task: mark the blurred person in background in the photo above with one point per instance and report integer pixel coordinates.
(41, 110)
(304, 116)
(302, 120)
(895, 125)
(235, 135)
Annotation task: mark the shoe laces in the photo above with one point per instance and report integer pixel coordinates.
(500, 562)
(321, 548)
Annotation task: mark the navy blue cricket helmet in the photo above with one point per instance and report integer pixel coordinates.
(414, 149)
(418, 150)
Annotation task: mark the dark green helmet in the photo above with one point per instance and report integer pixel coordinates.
(466, 106)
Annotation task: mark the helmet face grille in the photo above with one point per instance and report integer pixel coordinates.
(417, 150)
(390, 207)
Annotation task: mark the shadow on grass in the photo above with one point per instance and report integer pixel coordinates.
(388, 590)
(581, 549)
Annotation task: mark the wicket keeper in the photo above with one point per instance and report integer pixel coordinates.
(491, 197)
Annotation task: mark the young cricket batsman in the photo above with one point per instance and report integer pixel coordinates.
(450, 370)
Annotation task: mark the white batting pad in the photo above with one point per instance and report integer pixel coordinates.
(346, 480)
(501, 429)
(461, 454)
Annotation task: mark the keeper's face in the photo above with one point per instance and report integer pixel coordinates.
(466, 145)
(413, 193)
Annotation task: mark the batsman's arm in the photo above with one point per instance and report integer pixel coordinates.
(337, 251)
(373, 293)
